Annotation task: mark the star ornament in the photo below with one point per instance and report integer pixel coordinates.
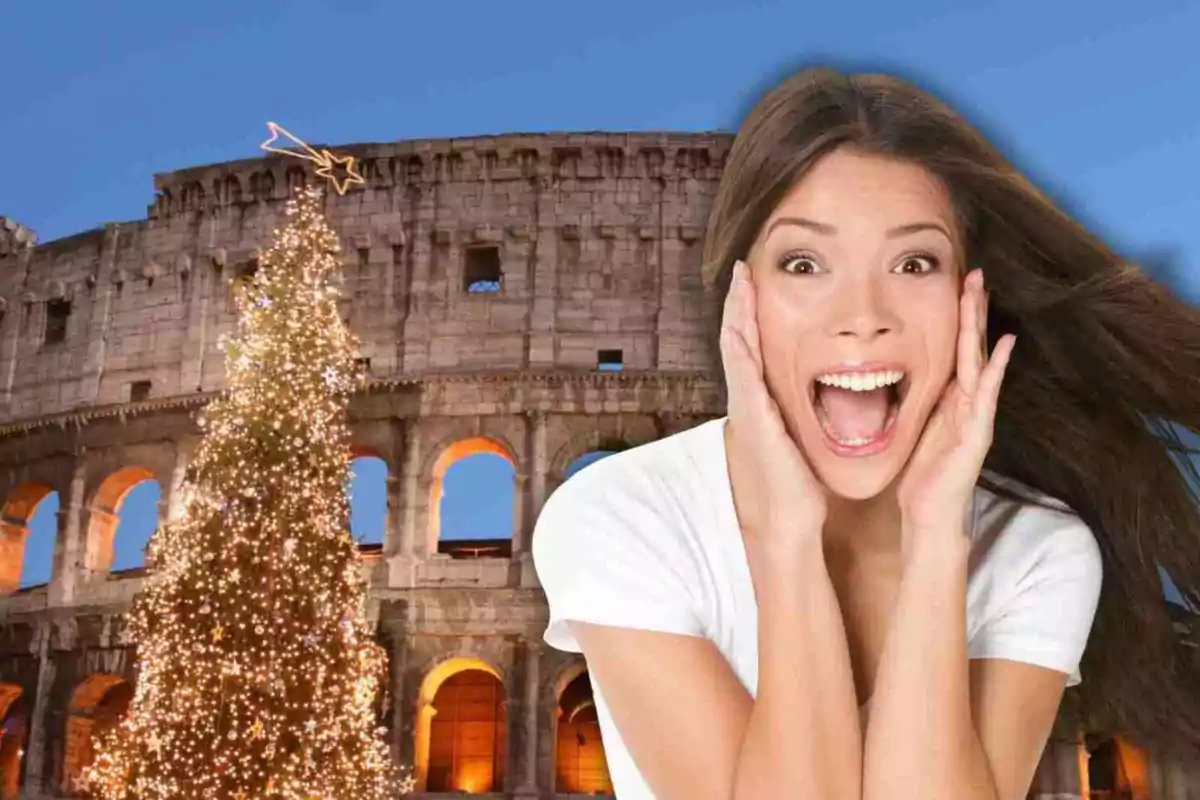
(339, 170)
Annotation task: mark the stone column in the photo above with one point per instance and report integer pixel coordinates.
(100, 316)
(35, 750)
(399, 658)
(541, 463)
(13, 313)
(173, 498)
(70, 547)
(402, 565)
(532, 487)
(522, 526)
(533, 653)
(393, 537)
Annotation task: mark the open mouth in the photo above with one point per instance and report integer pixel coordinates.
(857, 410)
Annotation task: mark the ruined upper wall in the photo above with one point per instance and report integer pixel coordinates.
(14, 237)
(597, 237)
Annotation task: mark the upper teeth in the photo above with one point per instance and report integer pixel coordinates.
(861, 381)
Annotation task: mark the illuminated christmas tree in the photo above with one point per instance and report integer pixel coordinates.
(257, 675)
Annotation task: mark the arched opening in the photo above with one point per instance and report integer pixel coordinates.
(585, 460)
(14, 726)
(368, 501)
(1117, 770)
(579, 763)
(97, 705)
(461, 729)
(472, 500)
(123, 518)
(28, 532)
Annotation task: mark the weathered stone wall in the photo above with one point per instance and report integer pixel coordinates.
(598, 235)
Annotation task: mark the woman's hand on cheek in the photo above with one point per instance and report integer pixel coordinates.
(778, 499)
(939, 479)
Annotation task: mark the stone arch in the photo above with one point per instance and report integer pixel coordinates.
(14, 727)
(425, 748)
(193, 196)
(449, 455)
(586, 459)
(295, 178)
(19, 509)
(576, 447)
(262, 185)
(97, 704)
(580, 766)
(232, 189)
(105, 516)
(572, 670)
(1117, 768)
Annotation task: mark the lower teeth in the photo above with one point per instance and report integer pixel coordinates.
(855, 442)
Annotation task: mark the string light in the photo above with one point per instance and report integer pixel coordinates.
(257, 673)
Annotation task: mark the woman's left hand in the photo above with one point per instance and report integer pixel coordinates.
(940, 477)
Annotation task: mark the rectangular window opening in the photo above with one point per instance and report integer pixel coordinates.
(57, 313)
(481, 270)
(609, 360)
(138, 391)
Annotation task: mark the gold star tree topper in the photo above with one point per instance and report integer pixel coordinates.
(338, 169)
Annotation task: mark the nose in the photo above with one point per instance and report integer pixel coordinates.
(860, 309)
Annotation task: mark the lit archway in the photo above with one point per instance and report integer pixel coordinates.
(461, 728)
(124, 515)
(28, 532)
(579, 763)
(472, 496)
(368, 499)
(97, 705)
(14, 723)
(1116, 768)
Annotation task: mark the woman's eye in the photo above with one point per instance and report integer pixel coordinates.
(799, 265)
(918, 264)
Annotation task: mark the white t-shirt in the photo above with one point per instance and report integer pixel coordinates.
(648, 539)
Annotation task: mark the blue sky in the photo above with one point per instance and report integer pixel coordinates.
(1096, 101)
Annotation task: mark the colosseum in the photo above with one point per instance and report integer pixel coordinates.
(531, 298)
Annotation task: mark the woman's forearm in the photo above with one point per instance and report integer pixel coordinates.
(803, 738)
(921, 741)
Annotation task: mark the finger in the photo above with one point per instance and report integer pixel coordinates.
(750, 404)
(732, 306)
(748, 313)
(988, 397)
(984, 302)
(967, 372)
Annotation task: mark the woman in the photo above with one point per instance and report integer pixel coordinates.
(875, 577)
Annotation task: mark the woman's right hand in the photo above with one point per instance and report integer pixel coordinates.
(779, 501)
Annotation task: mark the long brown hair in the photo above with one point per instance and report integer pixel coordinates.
(1107, 368)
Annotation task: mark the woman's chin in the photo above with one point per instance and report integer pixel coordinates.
(856, 481)
(853, 475)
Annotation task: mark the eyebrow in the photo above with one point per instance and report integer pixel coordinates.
(829, 230)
